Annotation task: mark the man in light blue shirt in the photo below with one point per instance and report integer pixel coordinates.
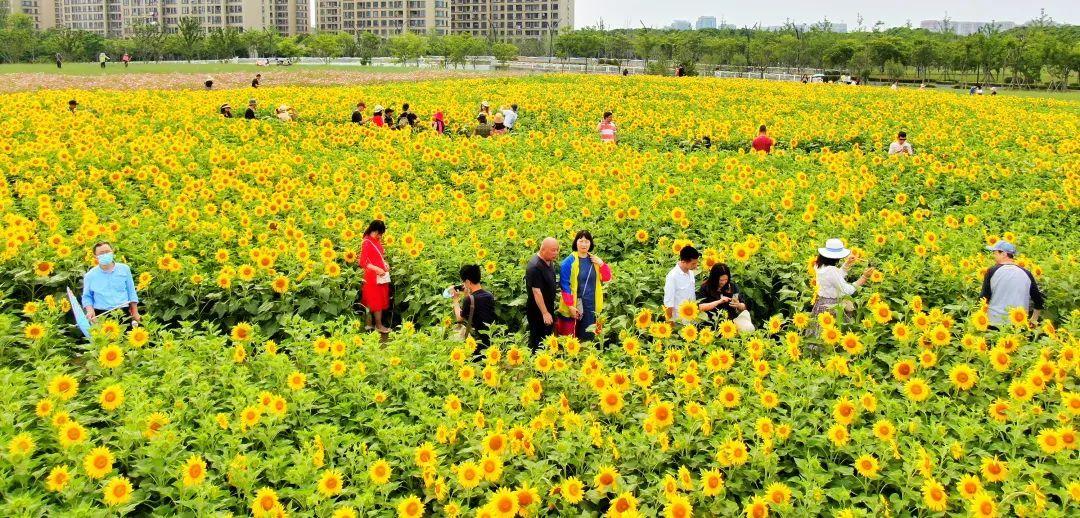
(109, 286)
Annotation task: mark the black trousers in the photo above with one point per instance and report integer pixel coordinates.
(538, 331)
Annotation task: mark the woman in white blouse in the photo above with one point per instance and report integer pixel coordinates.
(831, 283)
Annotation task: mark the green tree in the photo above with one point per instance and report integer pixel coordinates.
(17, 38)
(407, 47)
(840, 53)
(149, 41)
(504, 52)
(325, 45)
(224, 43)
(289, 48)
(368, 44)
(191, 36)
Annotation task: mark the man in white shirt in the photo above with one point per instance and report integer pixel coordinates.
(901, 146)
(679, 284)
(1008, 285)
(510, 116)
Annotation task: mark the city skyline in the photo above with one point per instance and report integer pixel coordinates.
(619, 14)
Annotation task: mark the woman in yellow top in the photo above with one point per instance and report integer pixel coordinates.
(581, 279)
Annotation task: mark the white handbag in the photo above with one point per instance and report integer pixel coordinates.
(743, 323)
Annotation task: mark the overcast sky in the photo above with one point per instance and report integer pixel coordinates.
(623, 13)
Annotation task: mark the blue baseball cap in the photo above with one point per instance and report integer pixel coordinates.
(1003, 246)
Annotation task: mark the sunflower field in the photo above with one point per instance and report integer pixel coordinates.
(253, 388)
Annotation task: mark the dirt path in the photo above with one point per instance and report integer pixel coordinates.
(188, 81)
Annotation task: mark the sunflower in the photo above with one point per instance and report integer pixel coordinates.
(606, 479)
(154, 423)
(410, 507)
(34, 331)
(280, 285)
(994, 470)
(71, 434)
(63, 386)
(330, 483)
(867, 466)
(468, 475)
(193, 471)
(983, 505)
(380, 472)
(1018, 317)
(296, 380)
(1049, 441)
(934, 496)
(58, 478)
(885, 430)
(643, 319)
(504, 503)
(688, 311)
(426, 455)
(963, 376)
(111, 356)
(250, 416)
(495, 444)
(778, 494)
(712, 482)
(117, 491)
(662, 415)
(678, 506)
(916, 389)
(844, 412)
(729, 396)
(98, 463)
(265, 501)
(242, 332)
(611, 401)
(138, 337)
(838, 434)
(572, 490)
(22, 445)
(968, 486)
(757, 507)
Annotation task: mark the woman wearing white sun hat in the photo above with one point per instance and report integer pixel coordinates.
(831, 283)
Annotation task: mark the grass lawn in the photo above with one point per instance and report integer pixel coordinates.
(93, 69)
(1037, 93)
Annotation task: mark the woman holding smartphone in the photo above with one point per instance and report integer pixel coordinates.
(722, 300)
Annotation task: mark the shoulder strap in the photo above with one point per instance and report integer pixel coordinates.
(376, 249)
(472, 311)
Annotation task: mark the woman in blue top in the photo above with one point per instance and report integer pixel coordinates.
(580, 278)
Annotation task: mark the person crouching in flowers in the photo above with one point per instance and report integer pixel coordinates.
(581, 278)
(375, 295)
(722, 300)
(109, 286)
(831, 282)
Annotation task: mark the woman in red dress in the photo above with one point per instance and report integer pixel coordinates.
(375, 295)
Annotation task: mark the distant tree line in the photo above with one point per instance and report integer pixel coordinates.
(1039, 53)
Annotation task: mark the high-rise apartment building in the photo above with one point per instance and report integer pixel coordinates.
(119, 18)
(705, 22)
(385, 17)
(42, 12)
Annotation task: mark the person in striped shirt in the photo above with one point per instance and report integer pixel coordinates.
(607, 129)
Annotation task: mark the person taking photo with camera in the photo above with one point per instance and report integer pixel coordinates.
(474, 307)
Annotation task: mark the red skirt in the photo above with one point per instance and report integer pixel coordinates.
(375, 296)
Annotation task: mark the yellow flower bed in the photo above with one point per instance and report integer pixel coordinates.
(253, 389)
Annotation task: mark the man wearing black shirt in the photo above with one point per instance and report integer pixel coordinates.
(250, 112)
(476, 308)
(358, 113)
(540, 289)
(255, 82)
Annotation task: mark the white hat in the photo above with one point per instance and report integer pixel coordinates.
(834, 249)
(378, 108)
(484, 104)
